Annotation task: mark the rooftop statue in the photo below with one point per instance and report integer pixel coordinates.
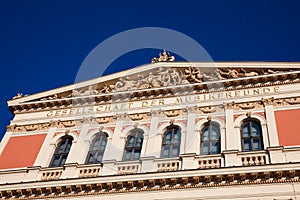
(163, 57)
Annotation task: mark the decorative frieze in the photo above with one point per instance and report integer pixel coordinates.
(139, 117)
(58, 124)
(173, 113)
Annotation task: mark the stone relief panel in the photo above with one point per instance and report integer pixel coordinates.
(170, 76)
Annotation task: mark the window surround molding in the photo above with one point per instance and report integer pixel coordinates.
(90, 141)
(237, 126)
(127, 131)
(54, 141)
(163, 128)
(91, 135)
(201, 124)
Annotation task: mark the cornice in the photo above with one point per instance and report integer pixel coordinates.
(155, 184)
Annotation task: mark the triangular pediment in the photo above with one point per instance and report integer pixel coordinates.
(168, 74)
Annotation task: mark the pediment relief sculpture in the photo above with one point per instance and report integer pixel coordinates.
(170, 76)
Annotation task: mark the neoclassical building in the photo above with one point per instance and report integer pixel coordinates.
(165, 130)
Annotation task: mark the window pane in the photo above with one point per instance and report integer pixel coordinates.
(103, 147)
(91, 158)
(63, 160)
(205, 148)
(166, 151)
(139, 142)
(55, 161)
(246, 130)
(99, 157)
(103, 143)
(69, 144)
(168, 138)
(136, 154)
(130, 141)
(215, 133)
(128, 155)
(247, 145)
(175, 151)
(215, 148)
(96, 144)
(176, 138)
(255, 129)
(60, 148)
(256, 144)
(205, 134)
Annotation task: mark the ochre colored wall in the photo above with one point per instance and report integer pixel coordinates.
(21, 151)
(288, 127)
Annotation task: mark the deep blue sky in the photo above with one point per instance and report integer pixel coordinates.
(43, 43)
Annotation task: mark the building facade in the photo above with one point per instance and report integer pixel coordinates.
(166, 130)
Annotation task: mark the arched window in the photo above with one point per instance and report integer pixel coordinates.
(210, 139)
(97, 149)
(171, 142)
(251, 135)
(133, 145)
(62, 151)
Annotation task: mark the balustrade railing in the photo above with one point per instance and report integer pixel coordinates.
(130, 167)
(89, 171)
(253, 158)
(210, 161)
(164, 165)
(51, 174)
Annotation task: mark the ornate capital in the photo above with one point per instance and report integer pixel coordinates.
(191, 109)
(230, 105)
(208, 109)
(122, 116)
(172, 113)
(268, 101)
(156, 113)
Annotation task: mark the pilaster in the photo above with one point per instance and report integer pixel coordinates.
(276, 154)
(231, 142)
(108, 167)
(231, 158)
(148, 164)
(271, 122)
(192, 140)
(115, 147)
(188, 161)
(153, 141)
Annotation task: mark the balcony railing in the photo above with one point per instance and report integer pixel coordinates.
(168, 164)
(209, 161)
(128, 167)
(51, 173)
(89, 170)
(253, 158)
